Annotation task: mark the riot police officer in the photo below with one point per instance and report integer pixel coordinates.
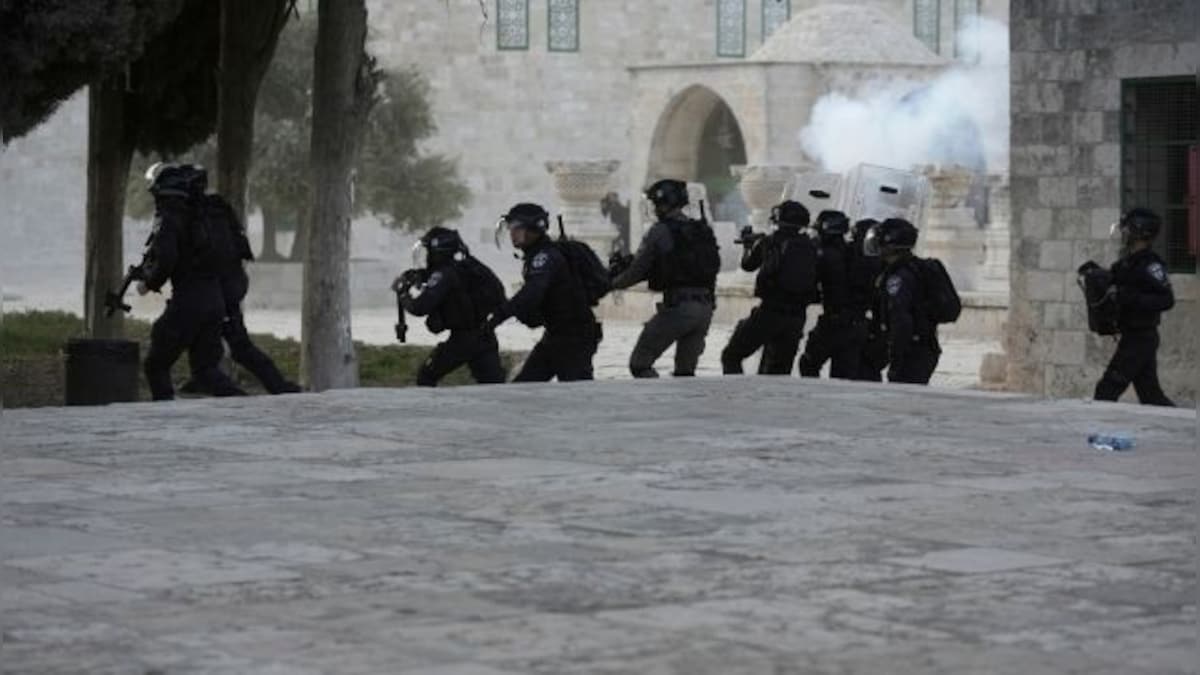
(235, 283)
(552, 296)
(786, 283)
(679, 257)
(187, 252)
(862, 273)
(900, 319)
(836, 337)
(1142, 291)
(447, 298)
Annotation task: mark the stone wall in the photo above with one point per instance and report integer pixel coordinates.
(1068, 62)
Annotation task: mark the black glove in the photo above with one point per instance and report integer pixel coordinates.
(491, 323)
(618, 263)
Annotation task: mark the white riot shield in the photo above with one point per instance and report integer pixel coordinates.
(879, 192)
(816, 191)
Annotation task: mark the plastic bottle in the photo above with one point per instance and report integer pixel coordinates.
(1111, 442)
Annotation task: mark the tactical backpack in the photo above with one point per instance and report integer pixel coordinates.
(1102, 310)
(215, 246)
(587, 269)
(483, 287)
(939, 297)
(790, 267)
(695, 257)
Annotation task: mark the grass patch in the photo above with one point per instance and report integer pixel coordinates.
(31, 359)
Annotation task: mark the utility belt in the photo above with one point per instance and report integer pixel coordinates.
(678, 296)
(784, 308)
(592, 330)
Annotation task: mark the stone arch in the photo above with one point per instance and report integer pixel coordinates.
(697, 138)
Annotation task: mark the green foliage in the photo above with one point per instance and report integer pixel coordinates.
(31, 362)
(164, 54)
(394, 180)
(38, 333)
(49, 49)
(173, 102)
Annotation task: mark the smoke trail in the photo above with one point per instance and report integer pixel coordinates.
(960, 118)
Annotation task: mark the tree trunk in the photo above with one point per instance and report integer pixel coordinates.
(108, 158)
(300, 237)
(249, 33)
(269, 252)
(343, 92)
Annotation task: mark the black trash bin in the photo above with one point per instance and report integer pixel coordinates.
(101, 371)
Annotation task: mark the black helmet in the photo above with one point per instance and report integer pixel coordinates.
(1139, 224)
(182, 180)
(891, 236)
(442, 240)
(527, 215)
(668, 195)
(832, 223)
(861, 228)
(789, 214)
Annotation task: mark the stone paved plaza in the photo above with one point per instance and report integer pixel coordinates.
(718, 526)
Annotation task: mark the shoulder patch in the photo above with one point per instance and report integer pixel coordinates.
(434, 279)
(1157, 272)
(894, 284)
(539, 261)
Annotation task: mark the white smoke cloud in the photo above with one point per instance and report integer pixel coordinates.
(962, 117)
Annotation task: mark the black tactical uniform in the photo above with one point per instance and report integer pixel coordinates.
(900, 317)
(445, 300)
(837, 337)
(777, 324)
(678, 256)
(185, 252)
(235, 283)
(862, 273)
(552, 297)
(1143, 292)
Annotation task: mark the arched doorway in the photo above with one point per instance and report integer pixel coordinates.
(698, 139)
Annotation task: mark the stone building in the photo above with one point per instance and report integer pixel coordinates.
(1106, 116)
(660, 87)
(524, 94)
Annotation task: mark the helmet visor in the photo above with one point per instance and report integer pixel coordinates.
(154, 170)
(500, 234)
(418, 255)
(871, 246)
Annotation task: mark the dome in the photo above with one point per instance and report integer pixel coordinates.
(845, 33)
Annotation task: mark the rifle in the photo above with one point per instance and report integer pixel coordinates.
(748, 237)
(400, 287)
(114, 301)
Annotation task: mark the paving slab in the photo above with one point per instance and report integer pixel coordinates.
(711, 525)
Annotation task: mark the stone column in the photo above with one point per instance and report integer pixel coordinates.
(997, 243)
(951, 232)
(580, 185)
